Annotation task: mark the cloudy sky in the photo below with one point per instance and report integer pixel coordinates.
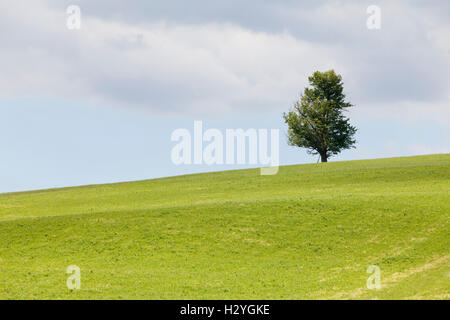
(99, 104)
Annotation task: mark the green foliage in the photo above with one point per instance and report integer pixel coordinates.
(317, 122)
(310, 231)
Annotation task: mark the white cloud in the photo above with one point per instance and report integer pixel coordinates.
(219, 67)
(407, 111)
(159, 66)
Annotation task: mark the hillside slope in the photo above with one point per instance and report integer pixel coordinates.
(309, 232)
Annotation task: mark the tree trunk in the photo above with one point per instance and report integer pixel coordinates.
(323, 157)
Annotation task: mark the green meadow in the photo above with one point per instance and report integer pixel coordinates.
(309, 232)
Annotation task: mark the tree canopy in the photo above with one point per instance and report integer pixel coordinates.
(317, 121)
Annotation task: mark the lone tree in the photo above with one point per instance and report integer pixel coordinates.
(317, 121)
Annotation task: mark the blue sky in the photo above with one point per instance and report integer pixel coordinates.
(99, 104)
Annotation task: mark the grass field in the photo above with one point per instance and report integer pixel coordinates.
(309, 232)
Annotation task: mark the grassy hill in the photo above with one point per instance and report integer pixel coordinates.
(309, 232)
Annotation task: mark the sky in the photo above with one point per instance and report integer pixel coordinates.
(98, 104)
